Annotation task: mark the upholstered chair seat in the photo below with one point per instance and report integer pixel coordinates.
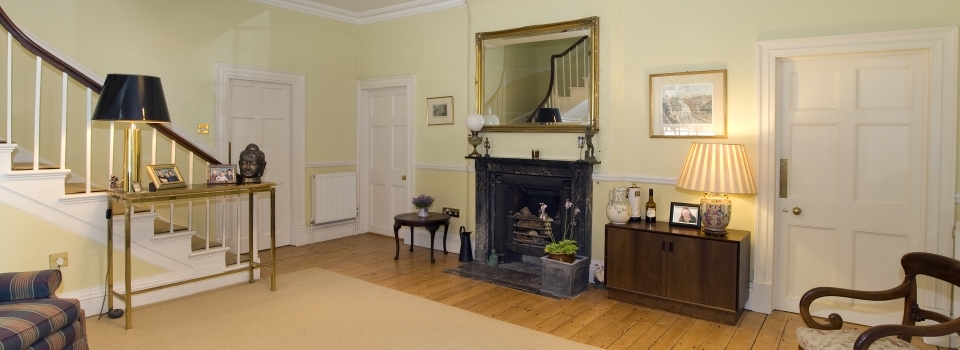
(843, 339)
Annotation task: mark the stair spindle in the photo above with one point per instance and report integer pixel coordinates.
(9, 88)
(36, 117)
(63, 125)
(89, 137)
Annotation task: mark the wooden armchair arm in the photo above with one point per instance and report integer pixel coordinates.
(872, 334)
(901, 291)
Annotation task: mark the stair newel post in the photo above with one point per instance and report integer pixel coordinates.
(190, 203)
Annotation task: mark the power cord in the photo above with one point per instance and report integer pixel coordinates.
(115, 313)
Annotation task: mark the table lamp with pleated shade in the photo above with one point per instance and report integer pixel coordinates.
(717, 170)
(134, 99)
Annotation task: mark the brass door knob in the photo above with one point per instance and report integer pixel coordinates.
(404, 178)
(797, 211)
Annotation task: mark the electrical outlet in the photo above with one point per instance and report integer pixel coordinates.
(453, 212)
(55, 258)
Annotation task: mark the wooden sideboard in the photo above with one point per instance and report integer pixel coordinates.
(678, 269)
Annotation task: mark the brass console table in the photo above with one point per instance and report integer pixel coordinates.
(189, 192)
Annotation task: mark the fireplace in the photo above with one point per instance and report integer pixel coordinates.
(509, 196)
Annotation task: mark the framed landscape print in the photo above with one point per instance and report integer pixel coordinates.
(440, 110)
(689, 104)
(165, 176)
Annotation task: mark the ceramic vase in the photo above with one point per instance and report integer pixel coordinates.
(618, 210)
(423, 212)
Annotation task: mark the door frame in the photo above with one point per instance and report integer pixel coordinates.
(940, 46)
(297, 82)
(408, 82)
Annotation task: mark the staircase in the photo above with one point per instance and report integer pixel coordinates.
(187, 237)
(569, 83)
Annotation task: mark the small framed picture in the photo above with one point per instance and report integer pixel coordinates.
(689, 104)
(684, 214)
(135, 186)
(165, 176)
(440, 110)
(222, 174)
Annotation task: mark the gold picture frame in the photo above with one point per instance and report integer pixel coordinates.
(440, 110)
(165, 176)
(689, 104)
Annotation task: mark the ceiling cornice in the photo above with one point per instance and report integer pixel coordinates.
(360, 18)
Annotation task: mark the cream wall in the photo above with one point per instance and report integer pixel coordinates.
(434, 47)
(29, 240)
(181, 41)
(638, 38)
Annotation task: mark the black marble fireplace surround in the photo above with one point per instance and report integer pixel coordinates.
(507, 184)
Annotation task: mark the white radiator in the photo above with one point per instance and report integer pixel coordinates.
(334, 197)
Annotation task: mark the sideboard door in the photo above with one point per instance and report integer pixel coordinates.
(635, 261)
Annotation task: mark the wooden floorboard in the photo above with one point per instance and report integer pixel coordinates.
(591, 318)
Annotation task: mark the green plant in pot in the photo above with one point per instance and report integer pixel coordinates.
(565, 249)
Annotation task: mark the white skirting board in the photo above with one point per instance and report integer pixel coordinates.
(91, 299)
(326, 232)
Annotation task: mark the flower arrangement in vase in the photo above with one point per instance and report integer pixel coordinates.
(566, 248)
(422, 203)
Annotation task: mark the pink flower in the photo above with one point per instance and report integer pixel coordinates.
(568, 205)
(576, 211)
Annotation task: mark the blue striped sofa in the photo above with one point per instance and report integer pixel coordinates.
(32, 317)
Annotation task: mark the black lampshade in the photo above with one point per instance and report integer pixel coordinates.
(133, 98)
(548, 115)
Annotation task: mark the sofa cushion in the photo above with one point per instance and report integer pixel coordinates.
(69, 337)
(29, 285)
(23, 322)
(818, 339)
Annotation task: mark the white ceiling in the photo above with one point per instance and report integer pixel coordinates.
(363, 11)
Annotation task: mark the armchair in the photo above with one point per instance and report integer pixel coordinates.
(821, 336)
(32, 317)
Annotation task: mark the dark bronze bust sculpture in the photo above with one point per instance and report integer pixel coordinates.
(252, 164)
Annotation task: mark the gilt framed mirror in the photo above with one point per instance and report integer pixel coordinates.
(541, 78)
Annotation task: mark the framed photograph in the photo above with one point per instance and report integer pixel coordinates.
(222, 174)
(135, 186)
(684, 214)
(689, 104)
(440, 110)
(165, 176)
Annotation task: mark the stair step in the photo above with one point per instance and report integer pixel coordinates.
(232, 258)
(29, 166)
(162, 226)
(198, 243)
(77, 188)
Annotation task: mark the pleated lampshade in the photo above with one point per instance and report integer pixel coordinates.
(717, 168)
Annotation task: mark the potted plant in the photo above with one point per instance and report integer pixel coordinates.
(565, 249)
(564, 273)
(423, 203)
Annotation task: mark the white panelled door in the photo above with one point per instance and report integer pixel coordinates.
(387, 161)
(261, 113)
(852, 131)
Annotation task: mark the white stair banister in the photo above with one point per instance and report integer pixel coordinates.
(9, 88)
(89, 137)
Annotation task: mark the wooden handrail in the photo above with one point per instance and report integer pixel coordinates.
(93, 85)
(553, 63)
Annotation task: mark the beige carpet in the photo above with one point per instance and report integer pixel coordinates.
(313, 309)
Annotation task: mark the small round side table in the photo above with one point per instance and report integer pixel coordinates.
(432, 222)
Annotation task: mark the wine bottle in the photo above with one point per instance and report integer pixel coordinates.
(651, 208)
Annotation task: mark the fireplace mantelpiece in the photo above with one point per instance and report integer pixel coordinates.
(570, 178)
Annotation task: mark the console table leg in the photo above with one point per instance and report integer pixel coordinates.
(433, 237)
(411, 238)
(445, 226)
(127, 276)
(273, 239)
(250, 239)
